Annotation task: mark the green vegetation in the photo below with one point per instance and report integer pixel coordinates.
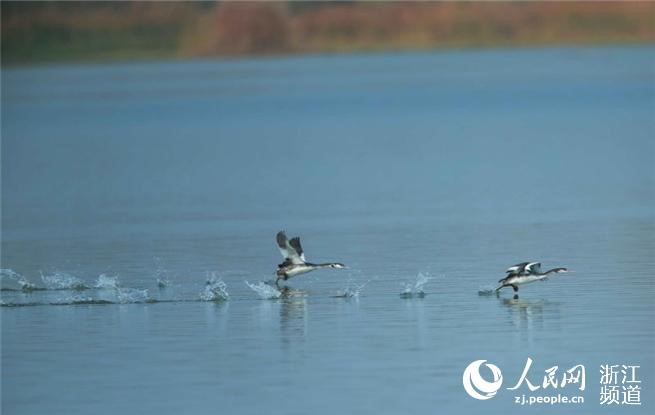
(62, 31)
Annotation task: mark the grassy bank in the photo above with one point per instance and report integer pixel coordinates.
(84, 31)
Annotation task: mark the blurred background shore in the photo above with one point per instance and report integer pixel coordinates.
(40, 32)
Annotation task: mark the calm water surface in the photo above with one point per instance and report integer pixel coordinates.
(446, 166)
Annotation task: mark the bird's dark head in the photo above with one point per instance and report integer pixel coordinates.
(560, 270)
(337, 265)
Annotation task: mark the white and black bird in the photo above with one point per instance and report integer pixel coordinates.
(294, 259)
(525, 273)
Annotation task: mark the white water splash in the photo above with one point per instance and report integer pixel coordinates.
(63, 281)
(160, 274)
(22, 282)
(351, 291)
(132, 295)
(215, 288)
(264, 291)
(107, 282)
(9, 274)
(416, 289)
(122, 295)
(486, 290)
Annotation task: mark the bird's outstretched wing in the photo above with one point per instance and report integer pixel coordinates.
(532, 268)
(516, 269)
(295, 244)
(524, 268)
(290, 249)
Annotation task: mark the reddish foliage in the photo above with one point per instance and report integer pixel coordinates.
(251, 28)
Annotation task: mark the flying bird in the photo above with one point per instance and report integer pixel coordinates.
(294, 259)
(525, 273)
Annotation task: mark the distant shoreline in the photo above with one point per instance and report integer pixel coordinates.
(84, 32)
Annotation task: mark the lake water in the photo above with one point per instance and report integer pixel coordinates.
(427, 172)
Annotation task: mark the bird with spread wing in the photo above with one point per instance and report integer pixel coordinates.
(294, 259)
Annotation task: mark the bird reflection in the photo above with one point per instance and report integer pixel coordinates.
(530, 315)
(293, 321)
